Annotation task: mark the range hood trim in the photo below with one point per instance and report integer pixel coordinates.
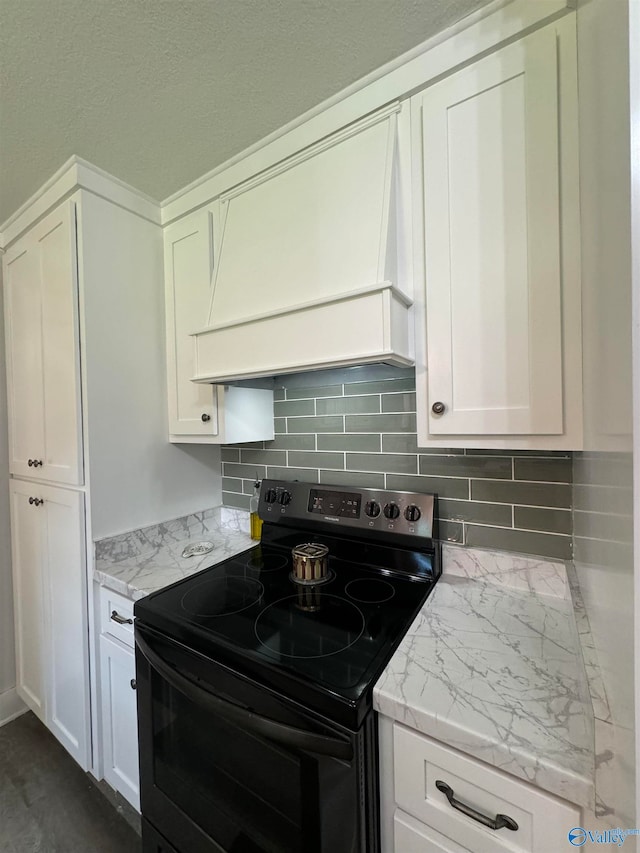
(287, 344)
(398, 294)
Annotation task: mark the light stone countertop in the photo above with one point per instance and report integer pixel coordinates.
(493, 666)
(143, 561)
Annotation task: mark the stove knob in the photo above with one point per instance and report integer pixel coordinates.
(391, 511)
(372, 509)
(285, 498)
(270, 496)
(412, 513)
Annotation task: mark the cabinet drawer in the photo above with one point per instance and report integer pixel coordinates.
(542, 820)
(410, 836)
(116, 616)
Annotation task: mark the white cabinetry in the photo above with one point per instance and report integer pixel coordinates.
(441, 798)
(49, 582)
(84, 318)
(496, 231)
(202, 413)
(118, 696)
(43, 370)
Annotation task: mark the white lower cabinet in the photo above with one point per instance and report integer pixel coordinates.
(442, 796)
(118, 696)
(411, 836)
(49, 582)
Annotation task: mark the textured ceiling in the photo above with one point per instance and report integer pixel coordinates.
(158, 92)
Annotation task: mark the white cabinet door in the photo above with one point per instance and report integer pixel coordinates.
(188, 263)
(51, 612)
(66, 649)
(119, 719)
(27, 554)
(43, 362)
(202, 413)
(491, 200)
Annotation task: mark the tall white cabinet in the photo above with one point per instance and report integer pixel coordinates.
(43, 353)
(87, 406)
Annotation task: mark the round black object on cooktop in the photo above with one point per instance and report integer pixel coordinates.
(221, 596)
(370, 591)
(286, 630)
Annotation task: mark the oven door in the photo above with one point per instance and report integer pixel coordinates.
(226, 765)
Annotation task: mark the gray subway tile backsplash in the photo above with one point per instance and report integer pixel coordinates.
(331, 423)
(398, 463)
(364, 443)
(492, 467)
(285, 408)
(398, 402)
(381, 423)
(529, 494)
(365, 404)
(316, 459)
(358, 428)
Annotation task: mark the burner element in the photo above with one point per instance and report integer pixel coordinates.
(267, 562)
(310, 563)
(221, 596)
(369, 591)
(325, 626)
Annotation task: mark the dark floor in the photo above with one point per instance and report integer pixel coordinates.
(48, 804)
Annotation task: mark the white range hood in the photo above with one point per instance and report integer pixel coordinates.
(310, 272)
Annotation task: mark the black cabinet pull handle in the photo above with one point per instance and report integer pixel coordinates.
(115, 616)
(500, 821)
(133, 684)
(36, 501)
(205, 418)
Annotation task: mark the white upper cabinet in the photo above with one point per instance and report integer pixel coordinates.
(188, 263)
(43, 370)
(202, 413)
(496, 232)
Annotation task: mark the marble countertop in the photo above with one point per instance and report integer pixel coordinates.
(143, 561)
(493, 667)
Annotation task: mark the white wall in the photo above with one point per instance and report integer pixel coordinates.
(7, 649)
(603, 474)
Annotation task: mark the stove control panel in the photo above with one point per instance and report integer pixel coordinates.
(392, 513)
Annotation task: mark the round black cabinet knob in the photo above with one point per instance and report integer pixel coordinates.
(438, 408)
(270, 496)
(205, 418)
(134, 684)
(391, 511)
(285, 498)
(30, 463)
(412, 513)
(372, 509)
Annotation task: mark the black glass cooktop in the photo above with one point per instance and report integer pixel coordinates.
(325, 643)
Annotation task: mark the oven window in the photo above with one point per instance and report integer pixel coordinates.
(248, 793)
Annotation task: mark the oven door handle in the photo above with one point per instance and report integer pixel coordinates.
(248, 720)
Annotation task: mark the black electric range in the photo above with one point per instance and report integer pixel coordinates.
(287, 649)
